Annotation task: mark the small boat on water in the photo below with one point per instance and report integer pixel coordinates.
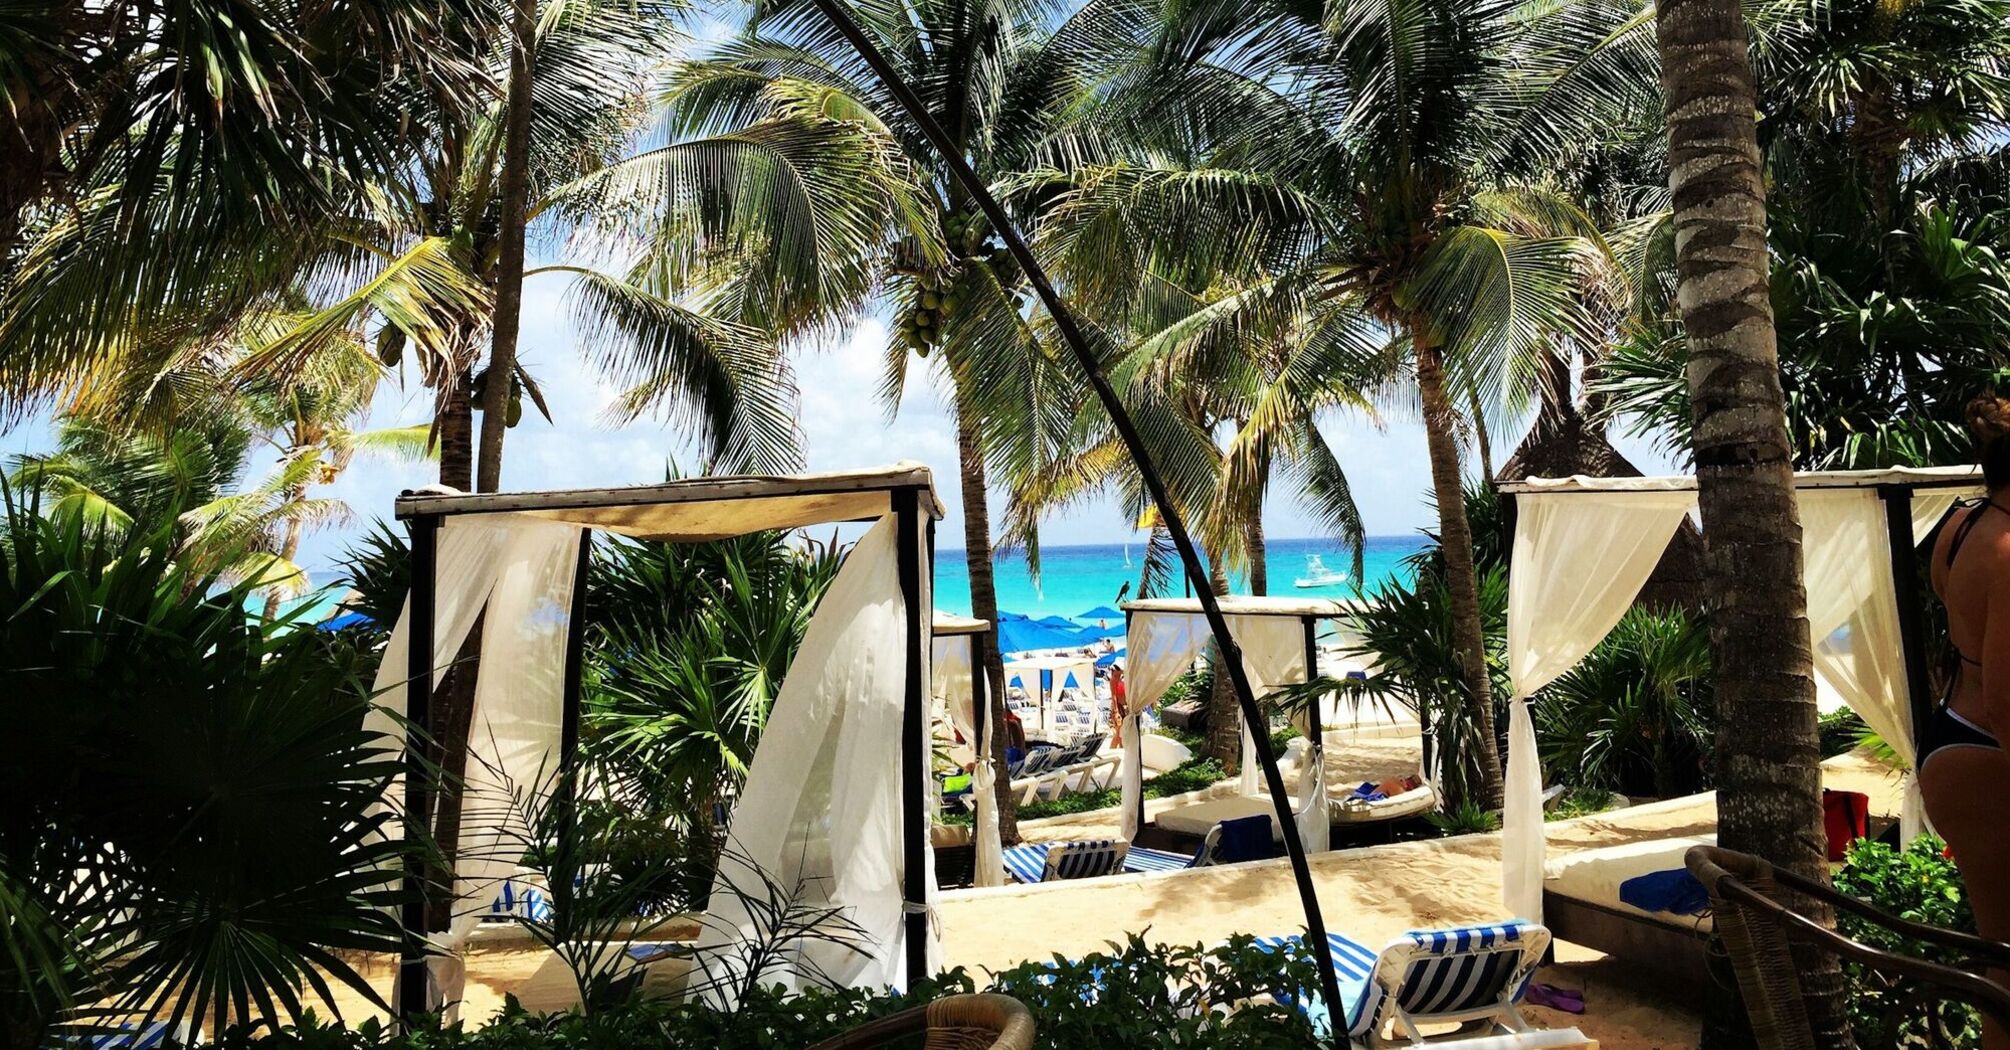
(1318, 575)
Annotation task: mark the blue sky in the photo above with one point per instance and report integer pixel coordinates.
(843, 423)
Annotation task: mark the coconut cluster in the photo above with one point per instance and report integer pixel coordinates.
(937, 294)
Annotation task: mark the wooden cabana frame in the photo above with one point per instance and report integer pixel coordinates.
(687, 511)
(1309, 612)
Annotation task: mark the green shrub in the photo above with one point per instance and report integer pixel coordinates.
(1134, 995)
(1636, 715)
(1919, 883)
(1580, 802)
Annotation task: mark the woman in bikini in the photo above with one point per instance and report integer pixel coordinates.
(1962, 765)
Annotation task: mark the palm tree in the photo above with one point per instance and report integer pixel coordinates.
(1768, 756)
(1229, 407)
(1380, 168)
(103, 479)
(1001, 75)
(310, 421)
(193, 140)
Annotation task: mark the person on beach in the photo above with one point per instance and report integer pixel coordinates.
(1961, 763)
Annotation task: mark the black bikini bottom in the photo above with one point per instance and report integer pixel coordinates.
(1947, 729)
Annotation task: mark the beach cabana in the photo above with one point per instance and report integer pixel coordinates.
(1583, 547)
(835, 803)
(1044, 677)
(956, 670)
(1279, 638)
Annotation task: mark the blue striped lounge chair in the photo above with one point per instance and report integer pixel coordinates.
(1471, 976)
(1085, 860)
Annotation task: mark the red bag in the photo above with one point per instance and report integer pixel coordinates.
(1846, 818)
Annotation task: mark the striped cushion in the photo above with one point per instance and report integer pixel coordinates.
(1353, 963)
(1027, 862)
(1084, 860)
(1466, 968)
(1156, 860)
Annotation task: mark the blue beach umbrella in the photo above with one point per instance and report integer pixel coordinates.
(1058, 622)
(1107, 659)
(1015, 636)
(1008, 617)
(354, 619)
(1101, 612)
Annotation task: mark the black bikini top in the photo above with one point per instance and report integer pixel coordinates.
(1954, 548)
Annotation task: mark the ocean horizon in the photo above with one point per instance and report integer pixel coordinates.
(1079, 577)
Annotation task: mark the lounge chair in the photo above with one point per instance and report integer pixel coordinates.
(1076, 770)
(1471, 976)
(1235, 841)
(1085, 860)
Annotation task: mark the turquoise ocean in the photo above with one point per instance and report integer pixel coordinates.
(1075, 579)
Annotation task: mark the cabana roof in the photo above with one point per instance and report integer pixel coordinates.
(698, 509)
(1244, 605)
(1904, 477)
(947, 624)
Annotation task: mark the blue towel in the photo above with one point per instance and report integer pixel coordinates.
(1674, 891)
(1367, 792)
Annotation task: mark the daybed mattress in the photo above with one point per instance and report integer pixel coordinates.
(1594, 875)
(1199, 818)
(1414, 802)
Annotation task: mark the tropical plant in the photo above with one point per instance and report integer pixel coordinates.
(187, 130)
(1886, 215)
(193, 829)
(1132, 994)
(1406, 631)
(1919, 883)
(1637, 714)
(688, 644)
(1372, 175)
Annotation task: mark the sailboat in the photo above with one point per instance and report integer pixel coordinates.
(1127, 554)
(1318, 575)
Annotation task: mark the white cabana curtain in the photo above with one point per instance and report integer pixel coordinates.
(521, 570)
(953, 675)
(949, 669)
(821, 810)
(1273, 655)
(1853, 615)
(1579, 560)
(1161, 647)
(1931, 505)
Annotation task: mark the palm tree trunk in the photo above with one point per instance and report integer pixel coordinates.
(510, 252)
(1483, 443)
(1259, 554)
(1768, 759)
(1455, 534)
(457, 438)
(984, 603)
(1224, 713)
(288, 548)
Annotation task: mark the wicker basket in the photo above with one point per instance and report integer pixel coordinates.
(959, 1022)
